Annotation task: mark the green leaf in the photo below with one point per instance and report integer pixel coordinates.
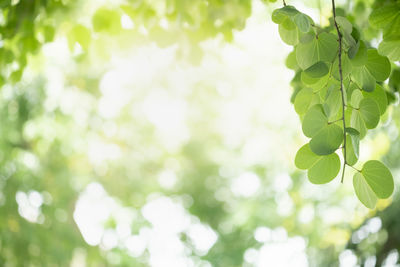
(370, 113)
(344, 24)
(349, 40)
(352, 149)
(302, 22)
(305, 158)
(303, 100)
(392, 29)
(327, 140)
(333, 102)
(325, 169)
(288, 32)
(379, 178)
(291, 61)
(281, 14)
(363, 78)
(320, 84)
(321, 48)
(314, 120)
(364, 191)
(394, 80)
(356, 98)
(358, 54)
(346, 67)
(317, 70)
(379, 95)
(355, 138)
(307, 37)
(390, 48)
(381, 17)
(378, 66)
(357, 123)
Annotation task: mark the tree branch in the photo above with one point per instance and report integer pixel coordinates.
(284, 3)
(341, 87)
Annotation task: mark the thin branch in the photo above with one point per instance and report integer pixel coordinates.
(284, 3)
(341, 88)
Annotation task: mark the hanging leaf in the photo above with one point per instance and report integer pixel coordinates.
(305, 158)
(370, 113)
(325, 169)
(364, 191)
(317, 70)
(358, 54)
(323, 48)
(314, 120)
(379, 95)
(357, 123)
(327, 140)
(377, 65)
(390, 47)
(288, 32)
(302, 22)
(379, 178)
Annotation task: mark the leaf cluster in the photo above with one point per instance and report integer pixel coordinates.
(338, 96)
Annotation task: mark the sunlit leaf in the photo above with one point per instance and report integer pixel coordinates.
(317, 70)
(379, 95)
(364, 191)
(305, 158)
(314, 120)
(370, 113)
(327, 140)
(302, 22)
(323, 48)
(379, 178)
(325, 169)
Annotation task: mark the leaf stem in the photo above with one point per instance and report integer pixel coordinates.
(330, 122)
(348, 106)
(354, 168)
(341, 87)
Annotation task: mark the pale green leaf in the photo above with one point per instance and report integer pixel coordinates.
(370, 113)
(364, 191)
(356, 98)
(390, 48)
(288, 32)
(302, 22)
(377, 65)
(379, 95)
(358, 54)
(379, 178)
(363, 78)
(305, 158)
(327, 140)
(314, 120)
(321, 48)
(317, 70)
(357, 123)
(303, 100)
(325, 169)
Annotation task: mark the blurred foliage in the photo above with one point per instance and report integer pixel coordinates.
(56, 140)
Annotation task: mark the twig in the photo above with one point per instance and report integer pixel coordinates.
(341, 88)
(284, 3)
